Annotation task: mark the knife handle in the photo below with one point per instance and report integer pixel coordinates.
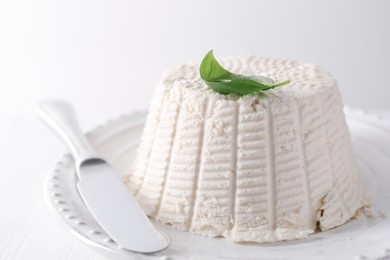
(60, 117)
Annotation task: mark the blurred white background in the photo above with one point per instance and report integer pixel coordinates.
(105, 56)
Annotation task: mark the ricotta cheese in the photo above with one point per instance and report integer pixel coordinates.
(264, 167)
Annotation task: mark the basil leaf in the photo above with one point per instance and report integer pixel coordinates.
(281, 83)
(225, 82)
(263, 80)
(211, 70)
(237, 86)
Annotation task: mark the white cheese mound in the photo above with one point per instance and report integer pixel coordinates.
(261, 168)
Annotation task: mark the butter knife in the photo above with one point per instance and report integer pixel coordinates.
(103, 192)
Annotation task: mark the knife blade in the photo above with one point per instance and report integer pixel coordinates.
(107, 198)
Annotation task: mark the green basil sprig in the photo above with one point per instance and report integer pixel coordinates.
(225, 82)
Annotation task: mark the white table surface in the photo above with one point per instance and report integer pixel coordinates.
(29, 229)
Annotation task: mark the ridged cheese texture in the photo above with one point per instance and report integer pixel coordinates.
(263, 167)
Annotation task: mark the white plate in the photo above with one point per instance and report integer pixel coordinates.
(360, 238)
